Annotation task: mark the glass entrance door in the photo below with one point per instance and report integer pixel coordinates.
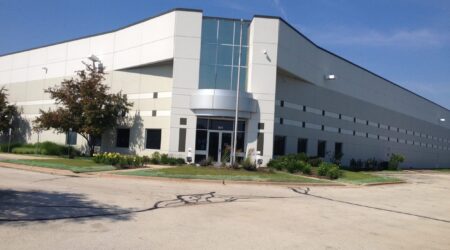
(219, 146)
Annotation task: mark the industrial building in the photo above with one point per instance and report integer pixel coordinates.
(182, 71)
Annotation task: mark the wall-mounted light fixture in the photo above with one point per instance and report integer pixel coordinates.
(330, 77)
(442, 119)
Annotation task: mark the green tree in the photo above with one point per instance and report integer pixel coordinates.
(84, 106)
(8, 112)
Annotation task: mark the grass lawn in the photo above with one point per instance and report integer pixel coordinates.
(211, 173)
(74, 165)
(365, 178)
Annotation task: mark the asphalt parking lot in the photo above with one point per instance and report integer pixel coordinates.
(43, 211)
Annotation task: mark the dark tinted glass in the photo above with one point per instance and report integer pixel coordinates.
(207, 77)
(202, 123)
(321, 149)
(123, 138)
(338, 148)
(208, 54)
(209, 30)
(221, 124)
(260, 143)
(153, 140)
(278, 145)
(201, 140)
(226, 28)
(223, 77)
(302, 145)
(240, 142)
(225, 54)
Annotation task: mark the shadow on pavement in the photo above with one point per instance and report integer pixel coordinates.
(43, 206)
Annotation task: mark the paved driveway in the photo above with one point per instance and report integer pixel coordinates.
(118, 213)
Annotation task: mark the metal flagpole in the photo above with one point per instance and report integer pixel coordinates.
(236, 115)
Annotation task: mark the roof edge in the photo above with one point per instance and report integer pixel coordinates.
(105, 32)
(346, 60)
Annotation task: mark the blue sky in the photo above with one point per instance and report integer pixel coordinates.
(406, 41)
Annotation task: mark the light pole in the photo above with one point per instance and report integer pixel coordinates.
(94, 60)
(69, 135)
(9, 133)
(236, 113)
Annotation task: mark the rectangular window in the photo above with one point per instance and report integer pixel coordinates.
(98, 141)
(302, 145)
(321, 147)
(260, 125)
(183, 121)
(153, 112)
(338, 149)
(123, 138)
(182, 140)
(71, 138)
(260, 143)
(153, 140)
(279, 144)
(201, 139)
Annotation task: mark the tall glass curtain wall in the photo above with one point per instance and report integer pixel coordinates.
(220, 51)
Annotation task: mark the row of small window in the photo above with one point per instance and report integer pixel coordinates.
(152, 138)
(359, 121)
(279, 146)
(361, 134)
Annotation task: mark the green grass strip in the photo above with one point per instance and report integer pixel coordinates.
(365, 178)
(74, 165)
(210, 173)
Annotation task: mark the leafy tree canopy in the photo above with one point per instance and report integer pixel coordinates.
(84, 106)
(8, 112)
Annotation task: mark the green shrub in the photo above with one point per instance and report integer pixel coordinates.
(27, 150)
(324, 167)
(4, 147)
(164, 159)
(307, 169)
(156, 158)
(248, 165)
(333, 172)
(394, 161)
(295, 166)
(146, 159)
(180, 161)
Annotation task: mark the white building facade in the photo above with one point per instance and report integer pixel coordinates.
(181, 71)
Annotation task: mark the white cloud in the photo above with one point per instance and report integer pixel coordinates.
(369, 37)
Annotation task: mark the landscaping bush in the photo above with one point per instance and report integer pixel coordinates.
(116, 159)
(295, 166)
(328, 169)
(156, 158)
(4, 147)
(394, 161)
(26, 150)
(164, 159)
(44, 148)
(307, 169)
(248, 165)
(333, 172)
